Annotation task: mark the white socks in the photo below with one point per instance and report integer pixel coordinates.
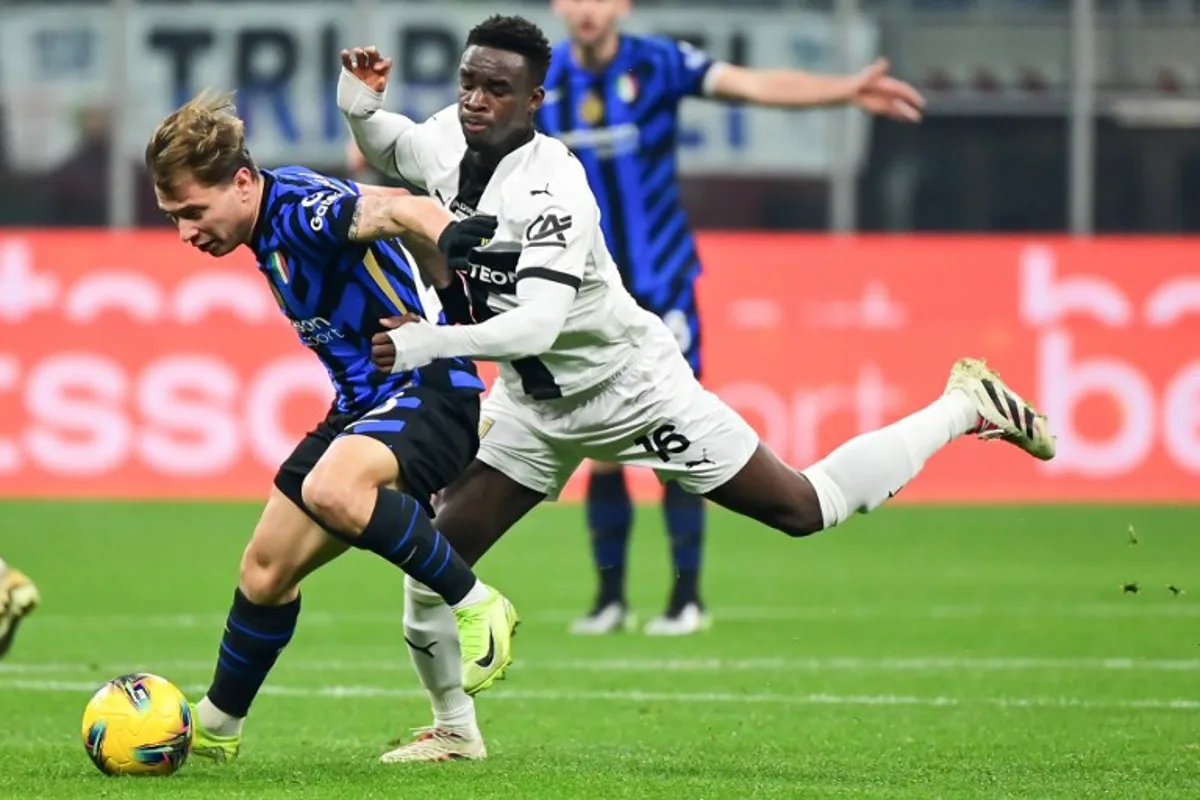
(214, 720)
(477, 595)
(432, 637)
(864, 472)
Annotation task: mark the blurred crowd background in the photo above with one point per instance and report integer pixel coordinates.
(1044, 115)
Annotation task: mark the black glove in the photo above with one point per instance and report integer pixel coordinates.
(460, 238)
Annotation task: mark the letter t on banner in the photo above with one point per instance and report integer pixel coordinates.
(121, 195)
(843, 183)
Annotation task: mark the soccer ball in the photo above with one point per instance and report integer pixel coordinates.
(138, 724)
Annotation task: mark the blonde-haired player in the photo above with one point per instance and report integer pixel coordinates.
(363, 477)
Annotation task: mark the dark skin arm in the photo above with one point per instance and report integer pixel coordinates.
(383, 349)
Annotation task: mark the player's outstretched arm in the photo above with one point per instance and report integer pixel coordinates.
(430, 260)
(872, 89)
(391, 216)
(530, 329)
(386, 140)
(380, 215)
(557, 242)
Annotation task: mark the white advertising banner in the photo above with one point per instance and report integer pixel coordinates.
(57, 62)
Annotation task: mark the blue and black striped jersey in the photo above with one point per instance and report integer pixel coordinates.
(334, 290)
(623, 124)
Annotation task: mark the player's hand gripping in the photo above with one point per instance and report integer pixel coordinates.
(459, 238)
(408, 342)
(362, 82)
(876, 91)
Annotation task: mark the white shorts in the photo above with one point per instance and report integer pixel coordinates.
(654, 413)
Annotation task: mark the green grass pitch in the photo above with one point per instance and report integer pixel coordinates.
(918, 653)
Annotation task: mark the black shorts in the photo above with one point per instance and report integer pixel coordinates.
(433, 433)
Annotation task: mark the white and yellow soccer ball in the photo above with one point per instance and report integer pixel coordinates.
(138, 724)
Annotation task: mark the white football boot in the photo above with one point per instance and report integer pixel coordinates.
(613, 617)
(438, 744)
(688, 620)
(1004, 414)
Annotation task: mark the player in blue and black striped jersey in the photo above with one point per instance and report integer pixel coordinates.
(614, 99)
(330, 251)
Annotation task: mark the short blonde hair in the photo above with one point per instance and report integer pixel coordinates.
(204, 140)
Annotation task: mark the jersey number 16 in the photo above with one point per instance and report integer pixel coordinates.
(664, 442)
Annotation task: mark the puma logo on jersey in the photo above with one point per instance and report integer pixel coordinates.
(548, 230)
(536, 192)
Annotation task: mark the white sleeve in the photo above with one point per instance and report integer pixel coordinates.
(560, 230)
(708, 87)
(393, 144)
(530, 329)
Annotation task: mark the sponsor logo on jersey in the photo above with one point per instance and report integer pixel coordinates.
(460, 209)
(501, 281)
(548, 230)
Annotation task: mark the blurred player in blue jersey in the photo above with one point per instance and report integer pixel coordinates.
(365, 475)
(614, 99)
(18, 598)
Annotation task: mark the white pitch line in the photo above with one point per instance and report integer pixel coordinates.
(639, 696)
(765, 664)
(1132, 610)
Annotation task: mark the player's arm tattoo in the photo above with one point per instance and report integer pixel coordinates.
(388, 216)
(369, 222)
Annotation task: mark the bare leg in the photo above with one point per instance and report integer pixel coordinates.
(859, 476)
(350, 491)
(286, 547)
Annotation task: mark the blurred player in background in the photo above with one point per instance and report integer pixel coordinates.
(614, 99)
(18, 598)
(365, 475)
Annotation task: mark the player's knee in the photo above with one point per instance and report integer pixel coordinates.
(798, 511)
(266, 580)
(342, 486)
(801, 516)
(799, 522)
(339, 502)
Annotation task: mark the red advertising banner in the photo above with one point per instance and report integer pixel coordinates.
(132, 366)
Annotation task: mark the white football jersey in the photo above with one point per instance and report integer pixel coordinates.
(548, 227)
